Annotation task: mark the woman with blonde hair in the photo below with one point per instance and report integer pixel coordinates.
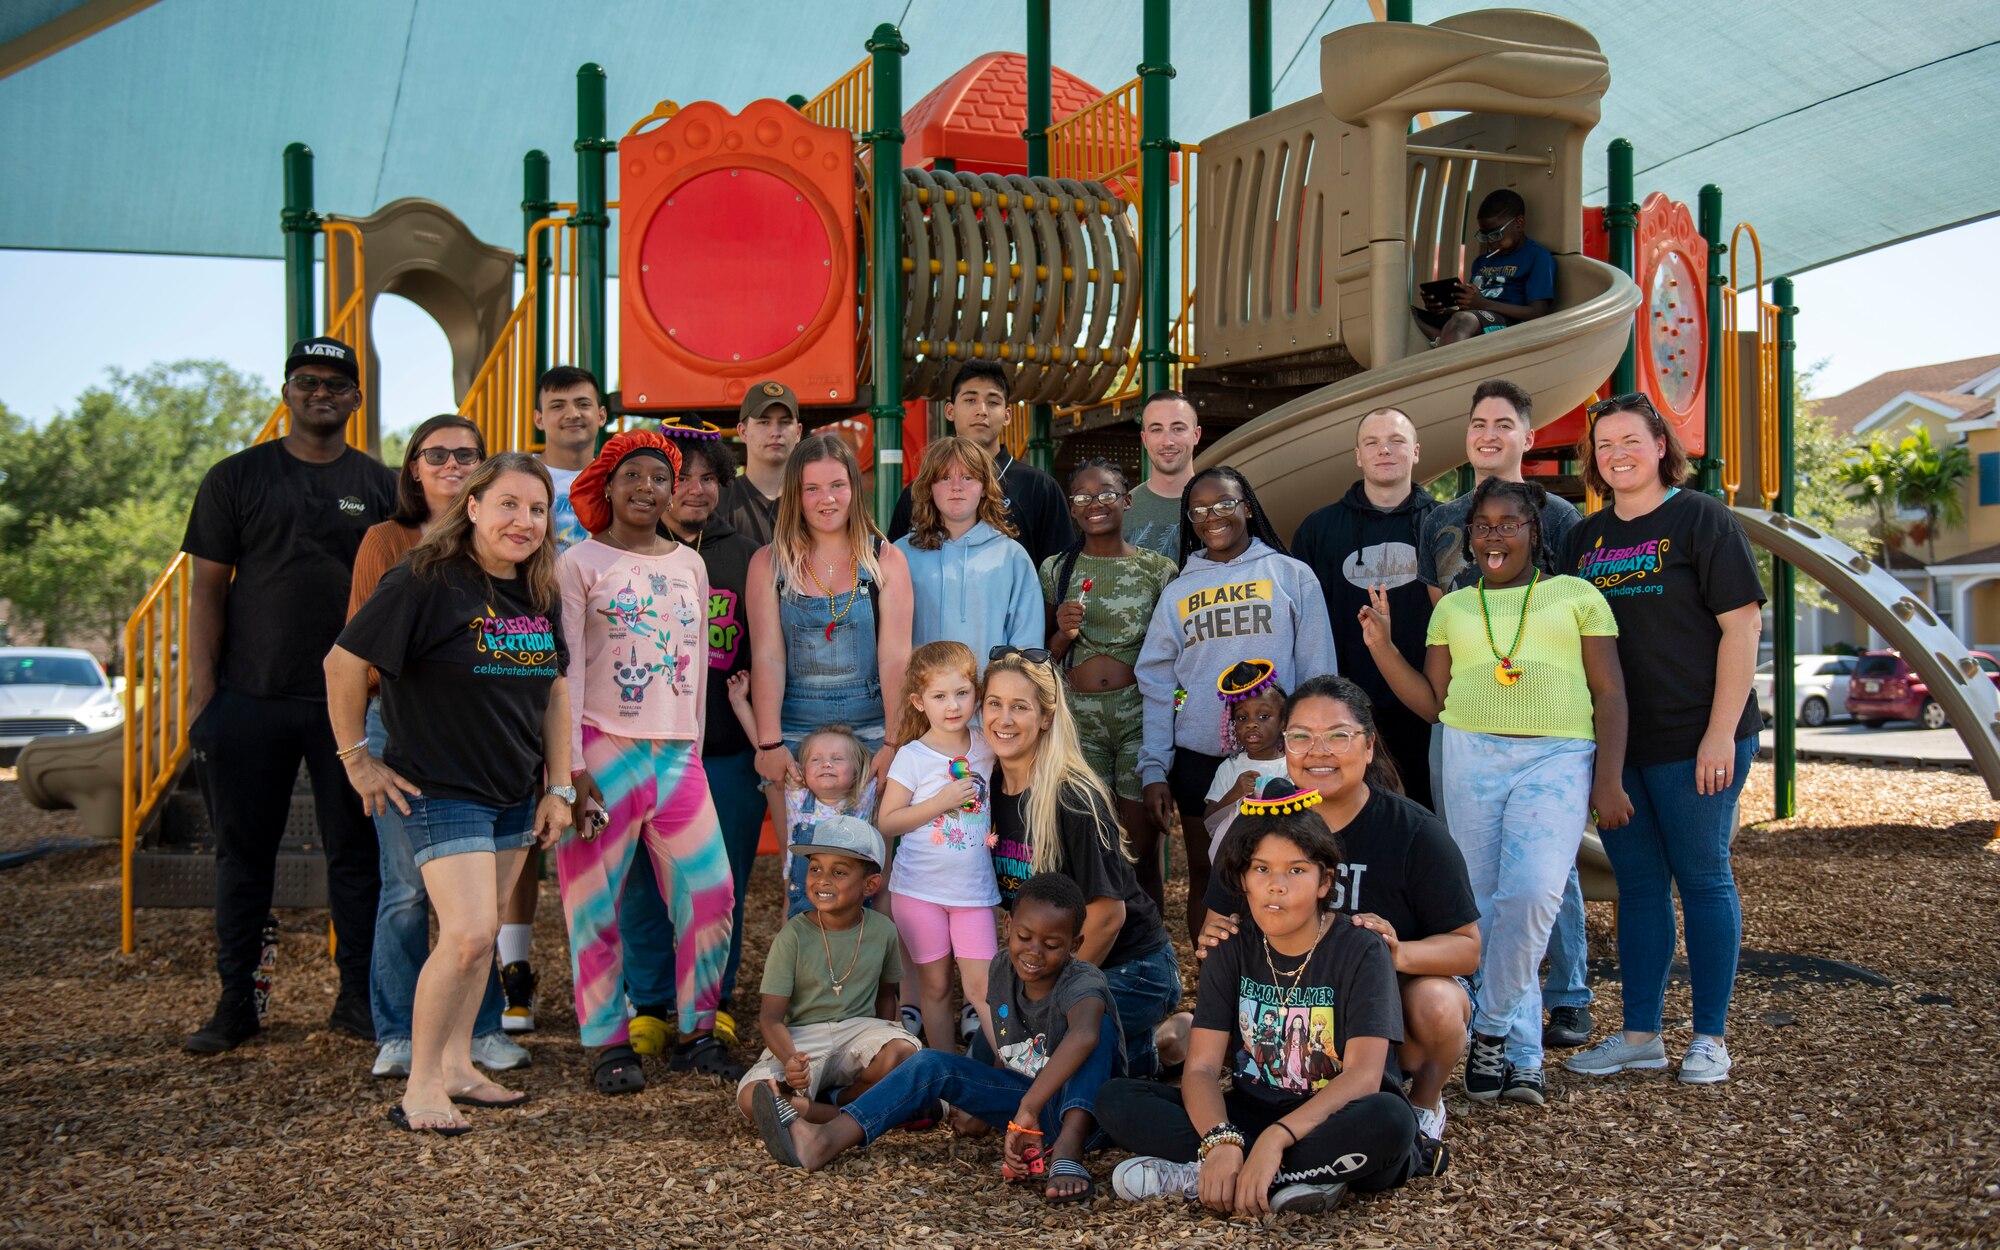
(972, 583)
(1052, 813)
(466, 634)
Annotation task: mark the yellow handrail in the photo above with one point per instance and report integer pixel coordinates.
(1100, 141)
(844, 105)
(1769, 470)
(347, 316)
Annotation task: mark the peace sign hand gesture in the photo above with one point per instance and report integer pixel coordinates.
(1375, 618)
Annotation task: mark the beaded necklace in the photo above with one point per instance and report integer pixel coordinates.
(1506, 672)
(836, 614)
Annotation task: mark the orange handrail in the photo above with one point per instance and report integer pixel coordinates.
(845, 104)
(1100, 141)
(1769, 469)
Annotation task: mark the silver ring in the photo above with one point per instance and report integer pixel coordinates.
(1721, 772)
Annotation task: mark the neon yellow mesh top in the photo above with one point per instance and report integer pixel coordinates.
(1552, 698)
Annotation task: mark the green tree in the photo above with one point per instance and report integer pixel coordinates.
(93, 503)
(1931, 480)
(1869, 474)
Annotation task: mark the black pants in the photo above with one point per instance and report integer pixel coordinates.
(247, 752)
(1189, 778)
(1371, 1143)
(1407, 736)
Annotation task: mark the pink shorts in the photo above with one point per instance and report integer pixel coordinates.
(931, 931)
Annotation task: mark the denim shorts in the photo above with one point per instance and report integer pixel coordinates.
(440, 827)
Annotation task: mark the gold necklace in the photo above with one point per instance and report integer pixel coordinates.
(827, 946)
(836, 614)
(1270, 958)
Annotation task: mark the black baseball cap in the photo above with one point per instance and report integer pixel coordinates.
(324, 351)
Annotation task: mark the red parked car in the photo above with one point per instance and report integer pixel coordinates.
(1885, 688)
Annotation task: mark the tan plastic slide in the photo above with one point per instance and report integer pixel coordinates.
(81, 771)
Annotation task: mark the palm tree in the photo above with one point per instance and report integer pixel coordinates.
(1931, 480)
(1870, 477)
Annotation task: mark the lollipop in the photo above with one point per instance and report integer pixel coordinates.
(961, 770)
(1081, 591)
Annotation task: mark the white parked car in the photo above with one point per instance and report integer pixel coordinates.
(1821, 682)
(54, 690)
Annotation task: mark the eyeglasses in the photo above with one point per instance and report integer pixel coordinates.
(1493, 235)
(435, 456)
(1506, 529)
(1332, 742)
(335, 388)
(1103, 496)
(1637, 401)
(1033, 655)
(1225, 507)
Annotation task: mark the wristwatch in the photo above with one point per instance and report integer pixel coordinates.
(566, 793)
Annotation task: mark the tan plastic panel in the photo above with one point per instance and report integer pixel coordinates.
(83, 772)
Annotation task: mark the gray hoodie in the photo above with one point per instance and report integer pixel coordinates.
(1261, 605)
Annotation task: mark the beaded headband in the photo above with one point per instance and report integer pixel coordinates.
(672, 428)
(1266, 677)
(1300, 801)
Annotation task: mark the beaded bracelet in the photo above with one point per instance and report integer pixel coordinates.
(1223, 1134)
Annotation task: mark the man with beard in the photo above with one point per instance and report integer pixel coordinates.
(1170, 432)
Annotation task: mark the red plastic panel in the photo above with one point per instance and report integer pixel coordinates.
(734, 264)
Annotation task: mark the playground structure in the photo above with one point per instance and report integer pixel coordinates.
(795, 241)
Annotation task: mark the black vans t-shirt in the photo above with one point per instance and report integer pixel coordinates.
(466, 663)
(726, 553)
(1667, 576)
(290, 528)
(1100, 871)
(1285, 1040)
(1401, 864)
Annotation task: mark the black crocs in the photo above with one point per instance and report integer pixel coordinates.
(709, 1057)
(618, 1071)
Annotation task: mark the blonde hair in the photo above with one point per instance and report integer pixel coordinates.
(925, 663)
(927, 531)
(1061, 780)
(791, 544)
(857, 752)
(452, 537)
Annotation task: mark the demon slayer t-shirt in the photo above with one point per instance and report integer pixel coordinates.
(1287, 1034)
(1667, 575)
(466, 664)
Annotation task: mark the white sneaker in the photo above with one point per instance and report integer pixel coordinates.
(1430, 1120)
(1613, 1054)
(1308, 1198)
(913, 1022)
(1144, 1176)
(1705, 1063)
(968, 1025)
(496, 1052)
(393, 1059)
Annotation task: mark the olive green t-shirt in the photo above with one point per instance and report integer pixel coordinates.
(798, 968)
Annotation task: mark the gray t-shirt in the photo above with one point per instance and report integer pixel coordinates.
(1154, 522)
(1028, 1030)
(1441, 547)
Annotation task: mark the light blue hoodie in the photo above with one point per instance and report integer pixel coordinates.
(978, 589)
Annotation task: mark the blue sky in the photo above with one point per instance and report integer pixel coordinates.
(69, 316)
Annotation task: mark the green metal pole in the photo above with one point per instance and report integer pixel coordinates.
(1156, 74)
(1041, 107)
(1260, 57)
(797, 101)
(300, 225)
(1398, 11)
(593, 220)
(1621, 222)
(1710, 217)
(886, 50)
(1784, 589)
(535, 258)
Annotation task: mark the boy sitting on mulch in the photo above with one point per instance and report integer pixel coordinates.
(1058, 1038)
(829, 990)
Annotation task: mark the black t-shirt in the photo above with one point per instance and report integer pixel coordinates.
(1035, 505)
(1401, 864)
(1667, 576)
(466, 665)
(1285, 1040)
(290, 528)
(748, 510)
(726, 552)
(1100, 871)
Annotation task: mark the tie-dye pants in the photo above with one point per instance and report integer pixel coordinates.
(656, 793)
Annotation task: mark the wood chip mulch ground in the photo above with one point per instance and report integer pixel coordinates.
(1856, 1115)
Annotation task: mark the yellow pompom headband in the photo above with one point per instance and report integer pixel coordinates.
(1303, 800)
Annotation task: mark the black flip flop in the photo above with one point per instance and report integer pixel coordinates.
(773, 1126)
(618, 1071)
(1070, 1168)
(491, 1104)
(401, 1119)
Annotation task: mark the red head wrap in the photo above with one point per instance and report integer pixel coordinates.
(587, 492)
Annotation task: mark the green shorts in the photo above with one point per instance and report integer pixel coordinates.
(1110, 724)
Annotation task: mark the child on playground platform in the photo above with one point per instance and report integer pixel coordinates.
(829, 991)
(1512, 281)
(1059, 1042)
(834, 764)
(1253, 721)
(942, 890)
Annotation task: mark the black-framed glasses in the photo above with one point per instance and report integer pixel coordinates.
(1636, 401)
(1506, 529)
(436, 456)
(336, 388)
(1103, 496)
(1221, 507)
(1493, 235)
(1033, 655)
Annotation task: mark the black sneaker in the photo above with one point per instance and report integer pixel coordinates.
(234, 1023)
(352, 1017)
(1433, 1156)
(1485, 1067)
(1523, 1085)
(1567, 1027)
(708, 1057)
(517, 988)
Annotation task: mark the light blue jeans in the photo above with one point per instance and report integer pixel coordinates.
(1518, 807)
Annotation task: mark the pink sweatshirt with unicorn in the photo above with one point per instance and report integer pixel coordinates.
(637, 628)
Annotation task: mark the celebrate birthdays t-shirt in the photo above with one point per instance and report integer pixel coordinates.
(466, 663)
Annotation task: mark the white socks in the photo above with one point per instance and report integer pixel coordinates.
(515, 940)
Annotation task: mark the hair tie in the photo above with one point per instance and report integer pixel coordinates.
(1264, 676)
(1299, 801)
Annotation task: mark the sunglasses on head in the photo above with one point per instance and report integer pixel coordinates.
(1637, 401)
(1033, 655)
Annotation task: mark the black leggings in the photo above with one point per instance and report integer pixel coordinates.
(1371, 1143)
(1189, 778)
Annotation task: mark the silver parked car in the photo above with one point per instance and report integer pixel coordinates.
(1820, 681)
(54, 690)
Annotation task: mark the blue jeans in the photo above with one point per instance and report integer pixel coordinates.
(1678, 839)
(1145, 989)
(643, 923)
(1567, 982)
(1518, 807)
(403, 926)
(987, 1093)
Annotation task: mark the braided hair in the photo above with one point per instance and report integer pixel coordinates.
(1075, 548)
(1260, 525)
(1529, 496)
